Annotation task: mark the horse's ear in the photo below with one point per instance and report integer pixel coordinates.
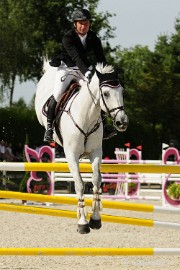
(100, 76)
(112, 76)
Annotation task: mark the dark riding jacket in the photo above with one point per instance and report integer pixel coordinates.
(73, 52)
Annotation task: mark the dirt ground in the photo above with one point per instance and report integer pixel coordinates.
(23, 230)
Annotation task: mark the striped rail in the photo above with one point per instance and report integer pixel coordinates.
(105, 168)
(89, 251)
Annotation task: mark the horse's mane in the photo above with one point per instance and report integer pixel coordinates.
(100, 66)
(104, 69)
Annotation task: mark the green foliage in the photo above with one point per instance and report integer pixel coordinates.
(132, 187)
(23, 183)
(152, 81)
(174, 191)
(31, 30)
(17, 122)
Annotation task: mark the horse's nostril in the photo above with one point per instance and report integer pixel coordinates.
(118, 123)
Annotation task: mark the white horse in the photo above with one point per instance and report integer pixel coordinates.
(82, 131)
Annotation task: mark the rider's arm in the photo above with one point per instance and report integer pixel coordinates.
(70, 47)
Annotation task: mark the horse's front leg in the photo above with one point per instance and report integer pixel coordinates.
(83, 224)
(95, 219)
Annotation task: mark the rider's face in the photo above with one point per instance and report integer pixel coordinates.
(82, 27)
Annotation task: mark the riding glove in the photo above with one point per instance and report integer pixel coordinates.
(88, 76)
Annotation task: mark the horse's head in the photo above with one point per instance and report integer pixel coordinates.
(111, 99)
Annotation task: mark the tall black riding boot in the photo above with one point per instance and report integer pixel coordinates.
(48, 137)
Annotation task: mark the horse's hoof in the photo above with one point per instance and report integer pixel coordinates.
(83, 229)
(95, 224)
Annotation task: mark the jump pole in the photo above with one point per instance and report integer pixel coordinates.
(66, 251)
(73, 214)
(85, 167)
(73, 201)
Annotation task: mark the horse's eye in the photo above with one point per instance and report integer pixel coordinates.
(106, 94)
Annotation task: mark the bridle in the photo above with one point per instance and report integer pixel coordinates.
(111, 84)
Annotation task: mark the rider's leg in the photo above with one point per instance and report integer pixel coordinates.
(48, 137)
(63, 79)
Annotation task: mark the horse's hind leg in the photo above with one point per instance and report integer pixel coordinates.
(83, 225)
(95, 219)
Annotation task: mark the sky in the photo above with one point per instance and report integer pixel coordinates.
(137, 22)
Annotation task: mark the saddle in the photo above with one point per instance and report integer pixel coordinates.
(61, 105)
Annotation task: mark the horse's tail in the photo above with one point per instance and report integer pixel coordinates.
(46, 64)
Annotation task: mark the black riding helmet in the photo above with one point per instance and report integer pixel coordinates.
(81, 15)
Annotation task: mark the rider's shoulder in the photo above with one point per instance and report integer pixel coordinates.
(68, 37)
(70, 33)
(92, 34)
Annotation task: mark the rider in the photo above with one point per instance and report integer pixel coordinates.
(79, 46)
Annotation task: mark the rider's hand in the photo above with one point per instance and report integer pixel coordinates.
(88, 75)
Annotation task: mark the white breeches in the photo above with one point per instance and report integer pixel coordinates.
(64, 76)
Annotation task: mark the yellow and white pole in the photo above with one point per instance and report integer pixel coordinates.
(73, 214)
(84, 167)
(66, 251)
(73, 201)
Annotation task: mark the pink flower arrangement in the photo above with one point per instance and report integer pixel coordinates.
(40, 188)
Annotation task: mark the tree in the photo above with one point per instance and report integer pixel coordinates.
(152, 83)
(33, 29)
(167, 54)
(10, 48)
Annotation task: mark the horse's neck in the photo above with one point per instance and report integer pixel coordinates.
(87, 103)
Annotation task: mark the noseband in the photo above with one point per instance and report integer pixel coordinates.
(111, 84)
